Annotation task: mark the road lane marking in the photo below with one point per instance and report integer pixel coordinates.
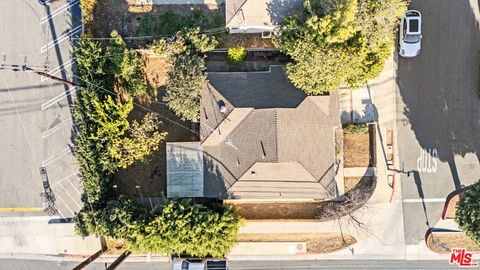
(21, 209)
(65, 178)
(58, 69)
(59, 97)
(58, 11)
(424, 200)
(65, 204)
(51, 159)
(55, 128)
(70, 196)
(427, 161)
(61, 38)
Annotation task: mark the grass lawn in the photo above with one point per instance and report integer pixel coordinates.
(316, 243)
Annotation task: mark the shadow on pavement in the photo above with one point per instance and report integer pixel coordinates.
(440, 86)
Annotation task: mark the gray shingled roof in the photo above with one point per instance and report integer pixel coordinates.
(284, 126)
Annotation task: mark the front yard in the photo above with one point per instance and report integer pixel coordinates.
(322, 211)
(316, 243)
(357, 146)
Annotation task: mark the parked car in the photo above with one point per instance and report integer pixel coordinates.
(196, 264)
(44, 2)
(410, 34)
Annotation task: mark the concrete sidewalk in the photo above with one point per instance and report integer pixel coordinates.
(34, 235)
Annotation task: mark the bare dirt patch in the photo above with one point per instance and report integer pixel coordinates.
(249, 41)
(451, 210)
(149, 179)
(115, 246)
(161, 20)
(316, 243)
(320, 211)
(351, 182)
(356, 149)
(445, 242)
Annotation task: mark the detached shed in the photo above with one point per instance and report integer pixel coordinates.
(184, 169)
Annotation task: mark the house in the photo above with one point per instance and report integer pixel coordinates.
(258, 16)
(260, 139)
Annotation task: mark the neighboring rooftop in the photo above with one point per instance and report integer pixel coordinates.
(270, 141)
(252, 16)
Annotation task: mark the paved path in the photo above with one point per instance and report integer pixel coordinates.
(34, 235)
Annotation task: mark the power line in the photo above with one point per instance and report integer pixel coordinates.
(137, 104)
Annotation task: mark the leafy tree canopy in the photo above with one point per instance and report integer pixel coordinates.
(468, 211)
(185, 82)
(338, 42)
(182, 227)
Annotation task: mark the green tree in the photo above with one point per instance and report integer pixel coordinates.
(185, 82)
(121, 218)
(125, 66)
(338, 42)
(197, 42)
(185, 227)
(141, 141)
(468, 211)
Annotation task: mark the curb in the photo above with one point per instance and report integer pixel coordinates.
(450, 197)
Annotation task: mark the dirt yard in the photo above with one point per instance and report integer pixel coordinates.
(452, 207)
(356, 149)
(316, 243)
(351, 183)
(249, 41)
(162, 20)
(445, 242)
(322, 211)
(151, 176)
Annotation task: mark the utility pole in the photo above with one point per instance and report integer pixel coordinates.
(45, 74)
(26, 68)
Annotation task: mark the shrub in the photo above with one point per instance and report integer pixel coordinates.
(182, 227)
(468, 212)
(356, 128)
(87, 7)
(237, 55)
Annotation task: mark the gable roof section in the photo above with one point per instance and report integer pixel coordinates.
(268, 122)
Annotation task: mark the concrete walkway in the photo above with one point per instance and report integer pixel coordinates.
(34, 235)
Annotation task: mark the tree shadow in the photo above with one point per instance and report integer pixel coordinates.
(440, 86)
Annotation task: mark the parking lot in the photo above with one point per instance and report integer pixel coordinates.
(35, 120)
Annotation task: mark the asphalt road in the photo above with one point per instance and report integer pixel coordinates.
(439, 112)
(35, 120)
(239, 265)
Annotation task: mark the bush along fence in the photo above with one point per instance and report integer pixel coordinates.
(106, 141)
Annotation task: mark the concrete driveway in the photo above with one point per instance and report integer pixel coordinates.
(439, 112)
(35, 120)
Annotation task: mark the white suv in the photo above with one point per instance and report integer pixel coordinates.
(410, 34)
